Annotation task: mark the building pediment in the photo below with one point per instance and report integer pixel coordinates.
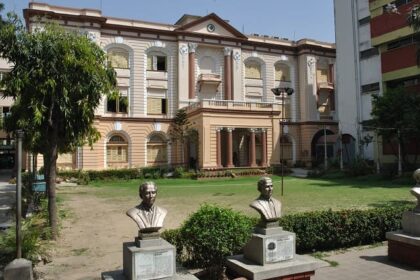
(210, 25)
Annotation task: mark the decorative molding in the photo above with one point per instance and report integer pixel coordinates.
(283, 58)
(229, 129)
(119, 40)
(218, 129)
(192, 47)
(157, 126)
(92, 36)
(236, 56)
(183, 50)
(117, 126)
(254, 54)
(158, 44)
(227, 51)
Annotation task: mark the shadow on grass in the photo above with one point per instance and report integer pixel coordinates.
(392, 203)
(363, 182)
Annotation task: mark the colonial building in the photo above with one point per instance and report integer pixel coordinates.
(223, 79)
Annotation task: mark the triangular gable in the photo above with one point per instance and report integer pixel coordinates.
(221, 27)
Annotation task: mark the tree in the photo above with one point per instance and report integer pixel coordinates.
(413, 20)
(57, 80)
(179, 129)
(395, 116)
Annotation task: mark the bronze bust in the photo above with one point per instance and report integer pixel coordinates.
(148, 216)
(268, 207)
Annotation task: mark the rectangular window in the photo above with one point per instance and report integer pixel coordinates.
(156, 106)
(364, 20)
(401, 43)
(322, 75)
(370, 87)
(156, 63)
(368, 53)
(119, 104)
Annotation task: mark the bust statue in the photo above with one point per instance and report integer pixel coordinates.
(268, 207)
(416, 189)
(148, 216)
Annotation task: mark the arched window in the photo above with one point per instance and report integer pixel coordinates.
(157, 153)
(282, 72)
(117, 151)
(207, 65)
(118, 58)
(252, 70)
(156, 61)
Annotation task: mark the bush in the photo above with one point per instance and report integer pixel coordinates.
(327, 230)
(34, 232)
(359, 167)
(211, 234)
(85, 176)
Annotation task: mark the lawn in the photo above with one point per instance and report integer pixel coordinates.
(185, 195)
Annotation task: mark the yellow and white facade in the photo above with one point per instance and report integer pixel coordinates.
(222, 78)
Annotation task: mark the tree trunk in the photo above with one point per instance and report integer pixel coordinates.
(50, 166)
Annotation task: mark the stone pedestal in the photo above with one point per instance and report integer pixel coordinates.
(18, 269)
(277, 246)
(152, 259)
(300, 267)
(270, 254)
(404, 248)
(411, 223)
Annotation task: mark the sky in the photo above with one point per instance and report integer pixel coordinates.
(292, 19)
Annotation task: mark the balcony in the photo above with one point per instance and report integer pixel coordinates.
(209, 80)
(399, 58)
(326, 86)
(389, 22)
(234, 106)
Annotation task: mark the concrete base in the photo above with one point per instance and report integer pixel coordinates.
(301, 265)
(154, 260)
(404, 248)
(18, 269)
(264, 249)
(411, 223)
(119, 275)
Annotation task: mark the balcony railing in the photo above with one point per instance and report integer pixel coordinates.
(233, 105)
(208, 79)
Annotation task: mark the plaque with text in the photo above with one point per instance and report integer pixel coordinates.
(154, 265)
(280, 248)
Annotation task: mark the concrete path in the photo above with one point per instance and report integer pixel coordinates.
(299, 172)
(7, 200)
(368, 264)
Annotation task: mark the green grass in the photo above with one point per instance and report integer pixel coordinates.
(299, 194)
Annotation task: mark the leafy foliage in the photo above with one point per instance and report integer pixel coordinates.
(57, 81)
(395, 115)
(211, 234)
(326, 230)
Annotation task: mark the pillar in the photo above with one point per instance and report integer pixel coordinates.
(252, 158)
(191, 70)
(264, 147)
(229, 163)
(228, 74)
(218, 148)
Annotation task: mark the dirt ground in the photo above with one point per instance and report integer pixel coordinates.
(91, 238)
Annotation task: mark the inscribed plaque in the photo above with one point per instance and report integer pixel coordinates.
(154, 265)
(279, 248)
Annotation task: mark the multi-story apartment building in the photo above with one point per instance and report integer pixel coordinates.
(223, 79)
(358, 74)
(375, 51)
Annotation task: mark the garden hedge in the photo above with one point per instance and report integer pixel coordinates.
(213, 232)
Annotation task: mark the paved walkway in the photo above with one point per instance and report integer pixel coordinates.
(367, 264)
(299, 172)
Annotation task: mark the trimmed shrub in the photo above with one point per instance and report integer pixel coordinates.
(327, 230)
(211, 234)
(84, 177)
